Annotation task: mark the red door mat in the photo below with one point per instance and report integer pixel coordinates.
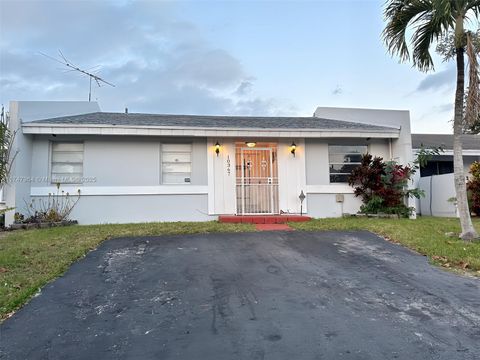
(262, 219)
(273, 227)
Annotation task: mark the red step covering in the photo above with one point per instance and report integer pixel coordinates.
(262, 219)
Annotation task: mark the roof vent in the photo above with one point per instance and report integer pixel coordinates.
(126, 110)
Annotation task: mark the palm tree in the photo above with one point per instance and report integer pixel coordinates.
(429, 20)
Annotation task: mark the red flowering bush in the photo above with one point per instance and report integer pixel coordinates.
(382, 186)
(473, 187)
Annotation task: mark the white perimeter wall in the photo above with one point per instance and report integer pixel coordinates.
(468, 160)
(438, 189)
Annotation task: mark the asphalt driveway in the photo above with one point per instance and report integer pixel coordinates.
(282, 295)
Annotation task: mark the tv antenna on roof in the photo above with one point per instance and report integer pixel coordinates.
(73, 67)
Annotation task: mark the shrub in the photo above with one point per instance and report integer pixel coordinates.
(55, 208)
(382, 186)
(473, 187)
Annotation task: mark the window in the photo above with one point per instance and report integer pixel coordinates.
(176, 163)
(343, 159)
(67, 163)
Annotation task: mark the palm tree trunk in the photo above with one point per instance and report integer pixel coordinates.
(468, 231)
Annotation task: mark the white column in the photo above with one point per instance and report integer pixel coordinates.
(221, 177)
(291, 175)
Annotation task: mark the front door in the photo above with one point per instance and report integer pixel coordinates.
(257, 180)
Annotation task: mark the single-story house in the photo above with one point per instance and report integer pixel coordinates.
(436, 178)
(132, 167)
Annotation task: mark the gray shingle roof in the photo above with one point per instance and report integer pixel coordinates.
(470, 142)
(204, 121)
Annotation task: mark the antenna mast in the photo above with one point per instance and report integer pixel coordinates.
(73, 67)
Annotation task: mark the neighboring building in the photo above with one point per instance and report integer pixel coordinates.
(147, 167)
(436, 178)
(443, 163)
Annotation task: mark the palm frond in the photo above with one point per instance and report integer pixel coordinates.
(434, 25)
(399, 15)
(429, 19)
(474, 6)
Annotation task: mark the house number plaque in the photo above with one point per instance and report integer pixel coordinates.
(228, 165)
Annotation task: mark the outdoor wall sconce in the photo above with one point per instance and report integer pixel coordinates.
(293, 148)
(251, 144)
(217, 148)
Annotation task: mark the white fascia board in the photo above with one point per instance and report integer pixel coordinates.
(329, 189)
(62, 129)
(72, 190)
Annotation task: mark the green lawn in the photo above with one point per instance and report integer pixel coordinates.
(425, 235)
(31, 258)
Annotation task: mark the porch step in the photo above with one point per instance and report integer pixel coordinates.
(262, 219)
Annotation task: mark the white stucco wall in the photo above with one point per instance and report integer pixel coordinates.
(221, 176)
(140, 208)
(292, 176)
(321, 194)
(325, 205)
(24, 111)
(121, 161)
(126, 185)
(317, 156)
(399, 149)
(38, 110)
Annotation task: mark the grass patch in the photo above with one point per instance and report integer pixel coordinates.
(31, 258)
(425, 235)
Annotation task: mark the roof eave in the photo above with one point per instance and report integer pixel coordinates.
(97, 129)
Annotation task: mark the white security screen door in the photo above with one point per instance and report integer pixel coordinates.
(257, 180)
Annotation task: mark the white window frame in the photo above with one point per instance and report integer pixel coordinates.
(52, 163)
(162, 155)
(343, 163)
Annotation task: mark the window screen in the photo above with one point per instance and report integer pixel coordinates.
(67, 163)
(176, 163)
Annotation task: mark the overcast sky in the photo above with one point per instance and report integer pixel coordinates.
(217, 57)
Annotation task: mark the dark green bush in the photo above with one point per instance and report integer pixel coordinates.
(383, 186)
